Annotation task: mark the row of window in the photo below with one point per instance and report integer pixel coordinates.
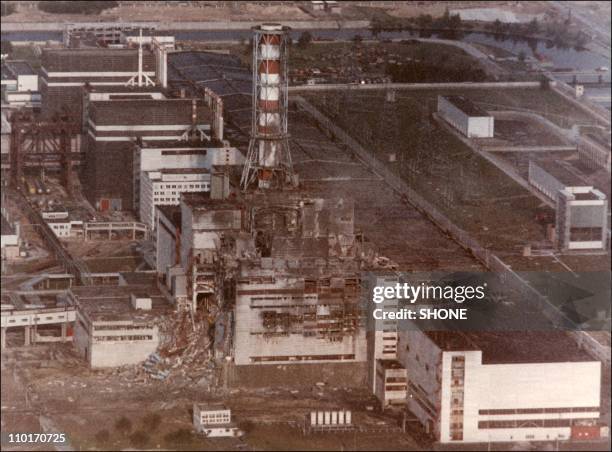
(123, 338)
(202, 185)
(540, 410)
(529, 423)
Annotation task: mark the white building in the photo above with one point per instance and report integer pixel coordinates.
(471, 120)
(581, 210)
(164, 188)
(61, 224)
(381, 334)
(214, 421)
(19, 84)
(149, 157)
(116, 325)
(501, 386)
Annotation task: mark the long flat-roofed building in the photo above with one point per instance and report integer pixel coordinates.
(65, 71)
(501, 386)
(461, 113)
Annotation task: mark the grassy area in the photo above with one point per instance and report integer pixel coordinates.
(472, 192)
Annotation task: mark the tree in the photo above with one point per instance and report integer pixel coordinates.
(102, 436)
(304, 40)
(445, 17)
(424, 20)
(497, 26)
(376, 27)
(151, 421)
(533, 27)
(139, 439)
(454, 22)
(123, 425)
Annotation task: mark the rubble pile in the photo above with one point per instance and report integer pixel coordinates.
(185, 349)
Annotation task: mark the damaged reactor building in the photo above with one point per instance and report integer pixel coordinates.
(283, 265)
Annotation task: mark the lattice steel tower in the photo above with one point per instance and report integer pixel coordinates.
(268, 163)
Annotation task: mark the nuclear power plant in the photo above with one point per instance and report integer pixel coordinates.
(206, 233)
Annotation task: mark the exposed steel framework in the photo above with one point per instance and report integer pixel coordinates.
(40, 144)
(268, 163)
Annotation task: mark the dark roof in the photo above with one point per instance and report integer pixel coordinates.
(184, 171)
(148, 111)
(528, 347)
(560, 172)
(172, 213)
(466, 106)
(91, 60)
(113, 302)
(390, 364)
(11, 69)
(512, 347)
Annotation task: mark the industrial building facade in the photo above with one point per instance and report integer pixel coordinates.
(292, 319)
(113, 326)
(115, 123)
(581, 210)
(64, 72)
(19, 84)
(471, 120)
(492, 387)
(164, 187)
(155, 156)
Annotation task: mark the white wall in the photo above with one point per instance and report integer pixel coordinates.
(513, 386)
(480, 127)
(27, 83)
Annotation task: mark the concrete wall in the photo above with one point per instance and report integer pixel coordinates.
(544, 182)
(120, 353)
(531, 385)
(165, 244)
(27, 83)
(96, 348)
(422, 358)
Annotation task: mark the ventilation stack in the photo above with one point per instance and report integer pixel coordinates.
(268, 163)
